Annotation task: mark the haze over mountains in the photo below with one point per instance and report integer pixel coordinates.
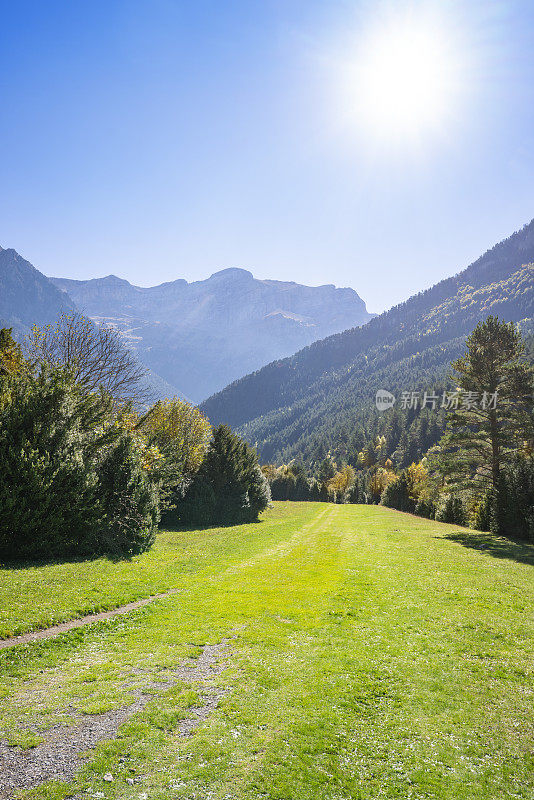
(200, 336)
(195, 338)
(312, 402)
(27, 297)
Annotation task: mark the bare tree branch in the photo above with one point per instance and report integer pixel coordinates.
(96, 356)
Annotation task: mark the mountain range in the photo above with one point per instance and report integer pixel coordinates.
(308, 404)
(200, 336)
(194, 338)
(197, 337)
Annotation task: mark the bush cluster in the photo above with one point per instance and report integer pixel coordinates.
(86, 474)
(72, 484)
(228, 488)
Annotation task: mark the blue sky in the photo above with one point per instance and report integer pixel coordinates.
(162, 139)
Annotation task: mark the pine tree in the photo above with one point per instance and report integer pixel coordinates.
(494, 416)
(233, 485)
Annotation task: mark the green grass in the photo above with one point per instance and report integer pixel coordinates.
(32, 598)
(374, 655)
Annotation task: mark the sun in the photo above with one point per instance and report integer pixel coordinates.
(405, 79)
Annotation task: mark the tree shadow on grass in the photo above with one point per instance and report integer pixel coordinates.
(169, 527)
(496, 546)
(25, 563)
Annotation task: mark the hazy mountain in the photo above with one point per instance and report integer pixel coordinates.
(200, 336)
(303, 404)
(26, 295)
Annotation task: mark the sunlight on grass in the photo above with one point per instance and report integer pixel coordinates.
(372, 654)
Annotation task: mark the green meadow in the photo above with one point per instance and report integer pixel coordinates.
(370, 654)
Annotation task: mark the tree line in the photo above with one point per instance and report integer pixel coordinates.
(471, 464)
(293, 406)
(90, 466)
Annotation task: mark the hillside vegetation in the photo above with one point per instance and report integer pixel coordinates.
(88, 469)
(308, 404)
(368, 654)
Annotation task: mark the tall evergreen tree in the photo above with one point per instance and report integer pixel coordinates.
(230, 484)
(494, 414)
(71, 482)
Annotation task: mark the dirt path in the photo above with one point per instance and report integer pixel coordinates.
(55, 630)
(65, 749)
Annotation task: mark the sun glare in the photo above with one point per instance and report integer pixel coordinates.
(405, 80)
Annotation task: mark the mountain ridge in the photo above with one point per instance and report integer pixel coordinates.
(277, 406)
(200, 335)
(27, 297)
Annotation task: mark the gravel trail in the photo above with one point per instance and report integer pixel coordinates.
(65, 749)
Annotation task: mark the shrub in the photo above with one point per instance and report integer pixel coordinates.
(452, 511)
(229, 485)
(283, 487)
(425, 508)
(48, 471)
(196, 507)
(484, 512)
(397, 495)
(127, 502)
(259, 495)
(67, 480)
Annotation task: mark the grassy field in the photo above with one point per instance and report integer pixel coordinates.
(371, 655)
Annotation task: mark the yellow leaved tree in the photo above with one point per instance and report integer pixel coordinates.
(12, 364)
(177, 435)
(341, 481)
(418, 480)
(11, 359)
(382, 478)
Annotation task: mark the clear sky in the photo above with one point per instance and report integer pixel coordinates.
(161, 139)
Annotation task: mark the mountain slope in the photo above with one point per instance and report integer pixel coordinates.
(313, 396)
(27, 297)
(202, 335)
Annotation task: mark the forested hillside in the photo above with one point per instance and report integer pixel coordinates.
(322, 397)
